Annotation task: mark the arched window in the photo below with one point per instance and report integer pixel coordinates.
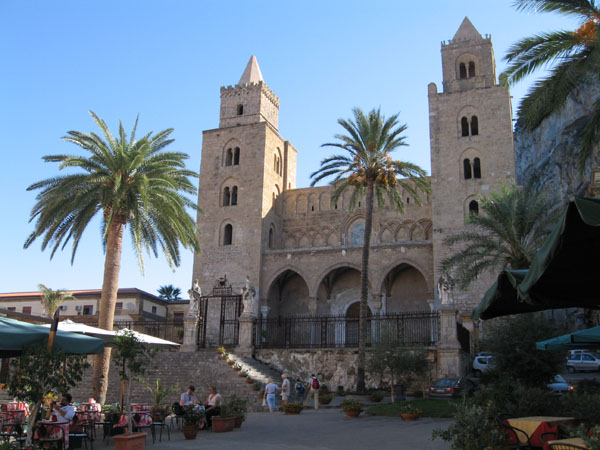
(474, 126)
(227, 234)
(476, 168)
(356, 234)
(473, 207)
(464, 126)
(271, 237)
(240, 110)
(467, 169)
(228, 157)
(471, 69)
(226, 197)
(234, 196)
(462, 70)
(236, 156)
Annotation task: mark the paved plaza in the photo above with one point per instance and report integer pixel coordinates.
(323, 429)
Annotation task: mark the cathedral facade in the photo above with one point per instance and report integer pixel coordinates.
(301, 251)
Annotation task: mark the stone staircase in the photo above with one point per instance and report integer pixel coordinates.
(257, 369)
(201, 369)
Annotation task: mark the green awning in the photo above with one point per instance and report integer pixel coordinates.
(589, 338)
(16, 336)
(563, 273)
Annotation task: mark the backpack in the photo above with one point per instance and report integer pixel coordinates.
(300, 388)
(315, 383)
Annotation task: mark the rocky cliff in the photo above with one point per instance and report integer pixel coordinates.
(547, 156)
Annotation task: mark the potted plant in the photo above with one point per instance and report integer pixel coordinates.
(239, 408)
(159, 392)
(221, 350)
(225, 421)
(231, 362)
(133, 357)
(237, 367)
(326, 398)
(249, 380)
(243, 374)
(375, 396)
(352, 408)
(192, 416)
(410, 412)
(256, 386)
(292, 408)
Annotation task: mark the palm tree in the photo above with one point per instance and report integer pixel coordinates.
(51, 300)
(368, 169)
(169, 292)
(574, 55)
(507, 233)
(129, 182)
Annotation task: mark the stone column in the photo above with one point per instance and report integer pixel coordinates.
(312, 305)
(245, 347)
(190, 334)
(448, 348)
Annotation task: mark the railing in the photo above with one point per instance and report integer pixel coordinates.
(171, 331)
(410, 328)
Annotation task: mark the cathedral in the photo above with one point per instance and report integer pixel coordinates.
(302, 252)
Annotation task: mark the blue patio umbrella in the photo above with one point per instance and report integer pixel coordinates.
(589, 338)
(15, 336)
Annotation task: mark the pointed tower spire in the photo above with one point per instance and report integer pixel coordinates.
(251, 73)
(466, 32)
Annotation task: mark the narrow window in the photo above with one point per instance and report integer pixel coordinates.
(407, 200)
(474, 126)
(154, 310)
(228, 157)
(119, 305)
(227, 234)
(226, 197)
(471, 69)
(234, 196)
(275, 163)
(464, 126)
(240, 110)
(312, 208)
(462, 71)
(473, 207)
(271, 238)
(476, 168)
(12, 308)
(26, 309)
(88, 310)
(236, 156)
(467, 169)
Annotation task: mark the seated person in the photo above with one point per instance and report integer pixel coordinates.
(189, 397)
(212, 405)
(65, 412)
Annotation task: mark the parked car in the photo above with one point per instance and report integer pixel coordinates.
(574, 352)
(560, 385)
(481, 364)
(582, 361)
(452, 388)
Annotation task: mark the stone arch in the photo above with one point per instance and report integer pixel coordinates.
(301, 204)
(289, 241)
(316, 282)
(405, 288)
(304, 241)
(348, 223)
(468, 121)
(227, 233)
(467, 66)
(288, 293)
(272, 236)
(333, 239)
(387, 234)
(324, 201)
(426, 225)
(319, 240)
(468, 204)
(337, 288)
(466, 164)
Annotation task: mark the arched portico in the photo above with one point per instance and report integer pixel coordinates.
(288, 294)
(405, 289)
(338, 288)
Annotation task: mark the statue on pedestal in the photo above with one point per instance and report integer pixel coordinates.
(445, 285)
(248, 294)
(195, 295)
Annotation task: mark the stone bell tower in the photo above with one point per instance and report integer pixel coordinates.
(471, 136)
(245, 165)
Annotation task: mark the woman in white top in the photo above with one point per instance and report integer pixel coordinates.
(212, 405)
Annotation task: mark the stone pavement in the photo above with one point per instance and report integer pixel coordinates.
(323, 429)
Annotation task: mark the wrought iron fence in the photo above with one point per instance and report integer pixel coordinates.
(409, 328)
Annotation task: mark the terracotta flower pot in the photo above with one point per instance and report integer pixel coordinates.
(249, 381)
(238, 421)
(190, 431)
(237, 369)
(223, 424)
(353, 414)
(409, 416)
(135, 441)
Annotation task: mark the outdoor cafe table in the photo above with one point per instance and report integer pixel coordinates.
(18, 410)
(536, 425)
(575, 441)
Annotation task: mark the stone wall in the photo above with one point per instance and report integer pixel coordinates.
(333, 367)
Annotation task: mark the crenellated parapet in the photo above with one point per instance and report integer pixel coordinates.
(249, 89)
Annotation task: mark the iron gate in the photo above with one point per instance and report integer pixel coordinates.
(231, 308)
(201, 335)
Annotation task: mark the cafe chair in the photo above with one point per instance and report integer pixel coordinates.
(516, 434)
(50, 436)
(80, 431)
(559, 446)
(162, 423)
(12, 429)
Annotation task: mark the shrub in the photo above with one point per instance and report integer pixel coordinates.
(375, 396)
(474, 428)
(352, 405)
(585, 387)
(292, 408)
(586, 406)
(326, 398)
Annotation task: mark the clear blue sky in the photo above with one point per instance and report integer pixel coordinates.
(166, 60)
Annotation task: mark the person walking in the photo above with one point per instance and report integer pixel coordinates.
(286, 389)
(313, 391)
(270, 390)
(299, 391)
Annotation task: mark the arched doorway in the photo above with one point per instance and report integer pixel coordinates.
(352, 324)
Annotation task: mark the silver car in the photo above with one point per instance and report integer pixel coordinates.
(582, 361)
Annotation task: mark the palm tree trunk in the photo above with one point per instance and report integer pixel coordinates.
(108, 299)
(364, 289)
